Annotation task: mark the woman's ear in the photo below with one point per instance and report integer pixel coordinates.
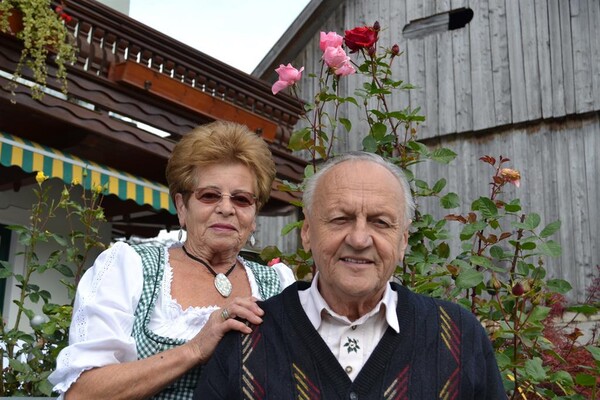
(181, 208)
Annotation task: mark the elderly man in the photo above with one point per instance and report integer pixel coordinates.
(352, 334)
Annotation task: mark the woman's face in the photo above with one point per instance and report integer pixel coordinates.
(222, 226)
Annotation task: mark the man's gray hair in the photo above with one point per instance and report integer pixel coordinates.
(313, 181)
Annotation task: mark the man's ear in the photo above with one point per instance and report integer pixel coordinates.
(404, 241)
(305, 234)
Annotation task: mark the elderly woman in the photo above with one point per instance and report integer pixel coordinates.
(146, 319)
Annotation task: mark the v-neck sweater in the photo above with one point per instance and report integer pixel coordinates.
(441, 352)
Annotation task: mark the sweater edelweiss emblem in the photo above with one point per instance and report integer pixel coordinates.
(352, 345)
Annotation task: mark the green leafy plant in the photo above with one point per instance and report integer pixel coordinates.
(28, 357)
(495, 267)
(41, 26)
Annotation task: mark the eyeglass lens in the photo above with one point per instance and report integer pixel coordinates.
(212, 196)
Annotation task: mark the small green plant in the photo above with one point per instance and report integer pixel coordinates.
(44, 33)
(497, 271)
(28, 357)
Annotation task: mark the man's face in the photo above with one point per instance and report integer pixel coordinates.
(356, 231)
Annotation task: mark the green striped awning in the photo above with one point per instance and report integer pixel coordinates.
(32, 157)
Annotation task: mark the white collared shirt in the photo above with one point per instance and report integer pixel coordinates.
(351, 342)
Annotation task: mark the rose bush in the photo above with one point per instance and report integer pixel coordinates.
(497, 271)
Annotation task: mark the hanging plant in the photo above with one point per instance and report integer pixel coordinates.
(42, 27)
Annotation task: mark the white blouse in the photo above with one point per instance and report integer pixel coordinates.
(104, 308)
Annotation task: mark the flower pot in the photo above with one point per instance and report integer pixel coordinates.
(15, 22)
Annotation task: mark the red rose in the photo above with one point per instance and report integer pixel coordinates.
(360, 38)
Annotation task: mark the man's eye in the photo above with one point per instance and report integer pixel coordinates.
(380, 223)
(339, 220)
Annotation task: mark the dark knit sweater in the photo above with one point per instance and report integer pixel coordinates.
(441, 352)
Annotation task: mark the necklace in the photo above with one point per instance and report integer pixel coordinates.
(222, 283)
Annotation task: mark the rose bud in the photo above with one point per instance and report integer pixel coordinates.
(518, 290)
(395, 50)
(496, 283)
(376, 26)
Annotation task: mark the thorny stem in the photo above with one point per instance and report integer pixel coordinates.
(381, 98)
(337, 107)
(513, 265)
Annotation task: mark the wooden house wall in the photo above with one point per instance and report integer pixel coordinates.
(268, 233)
(521, 80)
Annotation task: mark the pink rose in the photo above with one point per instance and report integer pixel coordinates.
(288, 75)
(335, 57)
(345, 69)
(338, 61)
(330, 39)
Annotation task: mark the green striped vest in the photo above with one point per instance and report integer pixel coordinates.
(148, 343)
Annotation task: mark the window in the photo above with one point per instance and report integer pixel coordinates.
(447, 21)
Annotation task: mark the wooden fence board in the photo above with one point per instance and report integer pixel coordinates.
(580, 12)
(530, 60)
(481, 67)
(567, 56)
(543, 53)
(500, 67)
(515, 61)
(594, 25)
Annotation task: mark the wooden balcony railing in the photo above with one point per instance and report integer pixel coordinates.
(107, 38)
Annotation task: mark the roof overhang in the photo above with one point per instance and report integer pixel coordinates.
(83, 125)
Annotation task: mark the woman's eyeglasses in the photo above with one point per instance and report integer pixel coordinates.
(213, 196)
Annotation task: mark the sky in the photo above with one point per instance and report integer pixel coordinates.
(236, 32)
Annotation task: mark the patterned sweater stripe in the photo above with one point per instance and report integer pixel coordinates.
(398, 390)
(306, 389)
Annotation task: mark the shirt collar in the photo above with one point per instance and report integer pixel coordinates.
(314, 304)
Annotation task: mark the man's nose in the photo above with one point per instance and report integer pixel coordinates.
(359, 236)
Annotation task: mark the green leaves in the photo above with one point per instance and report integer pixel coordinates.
(535, 370)
(450, 200)
(559, 286)
(469, 230)
(550, 229)
(550, 248)
(531, 222)
(469, 278)
(443, 155)
(486, 207)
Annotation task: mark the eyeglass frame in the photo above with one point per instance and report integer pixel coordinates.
(231, 196)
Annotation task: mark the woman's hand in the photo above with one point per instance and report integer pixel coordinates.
(231, 317)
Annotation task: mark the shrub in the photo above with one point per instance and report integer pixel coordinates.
(28, 357)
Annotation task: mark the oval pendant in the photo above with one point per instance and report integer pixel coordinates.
(223, 285)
